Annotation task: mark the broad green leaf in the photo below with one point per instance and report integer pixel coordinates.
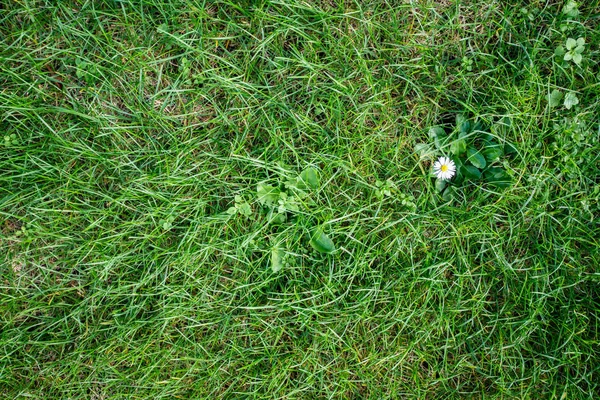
(310, 177)
(509, 149)
(471, 172)
(440, 184)
(486, 136)
(436, 131)
(457, 161)
(421, 148)
(267, 194)
(281, 209)
(279, 218)
(290, 204)
(465, 127)
(476, 158)
(580, 42)
(478, 126)
(277, 255)
(448, 194)
(231, 210)
(493, 172)
(554, 98)
(577, 58)
(438, 135)
(458, 147)
(497, 177)
(245, 209)
(571, 43)
(570, 9)
(492, 153)
(424, 151)
(297, 186)
(459, 177)
(321, 242)
(571, 100)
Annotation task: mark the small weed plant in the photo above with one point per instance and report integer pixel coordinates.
(479, 153)
(282, 203)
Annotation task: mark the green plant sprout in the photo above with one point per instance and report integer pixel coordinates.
(10, 140)
(528, 13)
(467, 63)
(571, 100)
(166, 223)
(384, 189)
(574, 50)
(570, 9)
(241, 206)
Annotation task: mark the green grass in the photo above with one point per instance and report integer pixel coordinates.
(128, 114)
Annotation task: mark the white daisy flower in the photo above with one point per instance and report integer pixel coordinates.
(444, 168)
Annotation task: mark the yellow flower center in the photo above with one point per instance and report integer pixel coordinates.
(444, 168)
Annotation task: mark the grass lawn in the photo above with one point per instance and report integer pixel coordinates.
(236, 199)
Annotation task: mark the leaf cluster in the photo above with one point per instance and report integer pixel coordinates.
(282, 201)
(478, 151)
